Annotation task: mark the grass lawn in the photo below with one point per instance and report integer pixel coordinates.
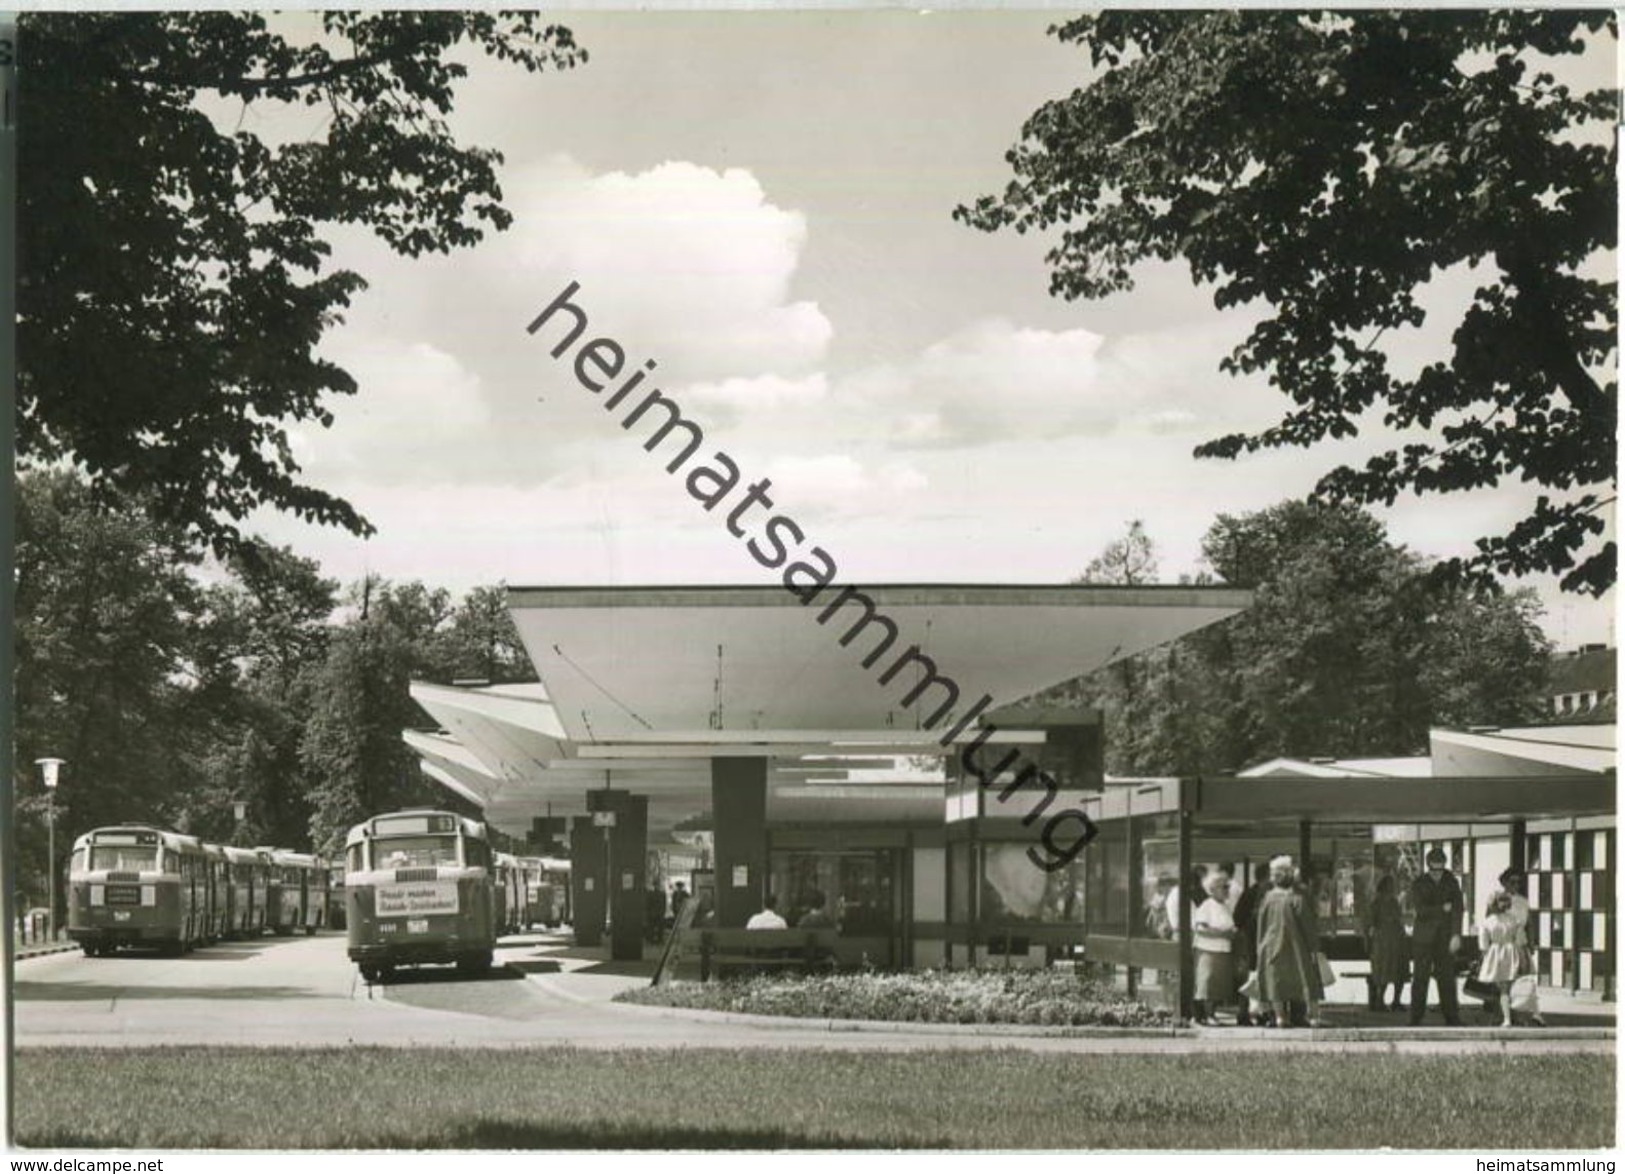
(563, 1098)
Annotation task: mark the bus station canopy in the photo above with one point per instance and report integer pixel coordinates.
(641, 687)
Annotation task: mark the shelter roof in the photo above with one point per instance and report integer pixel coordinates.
(642, 686)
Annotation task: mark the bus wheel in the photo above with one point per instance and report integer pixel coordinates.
(310, 931)
(478, 963)
(369, 974)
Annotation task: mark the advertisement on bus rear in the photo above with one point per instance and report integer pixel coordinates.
(402, 900)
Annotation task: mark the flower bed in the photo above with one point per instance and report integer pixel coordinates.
(931, 996)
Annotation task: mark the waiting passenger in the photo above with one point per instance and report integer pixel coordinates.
(769, 917)
(1213, 934)
(1389, 947)
(1288, 937)
(817, 915)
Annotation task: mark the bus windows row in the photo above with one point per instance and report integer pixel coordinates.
(140, 886)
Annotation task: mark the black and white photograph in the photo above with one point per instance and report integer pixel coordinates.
(728, 582)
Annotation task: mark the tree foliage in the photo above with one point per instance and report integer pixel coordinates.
(351, 751)
(1329, 165)
(173, 278)
(1351, 648)
(103, 608)
(174, 690)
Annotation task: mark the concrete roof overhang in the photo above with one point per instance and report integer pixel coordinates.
(642, 687)
(1529, 752)
(626, 663)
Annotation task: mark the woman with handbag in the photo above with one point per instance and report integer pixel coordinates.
(1500, 942)
(1513, 883)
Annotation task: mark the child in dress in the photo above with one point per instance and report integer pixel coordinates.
(1500, 938)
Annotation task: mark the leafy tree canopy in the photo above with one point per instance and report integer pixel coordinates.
(1351, 648)
(173, 280)
(1328, 166)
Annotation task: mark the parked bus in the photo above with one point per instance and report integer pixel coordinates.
(137, 886)
(550, 892)
(219, 882)
(299, 881)
(246, 895)
(420, 887)
(513, 899)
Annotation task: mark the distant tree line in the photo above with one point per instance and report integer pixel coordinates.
(174, 687)
(1352, 647)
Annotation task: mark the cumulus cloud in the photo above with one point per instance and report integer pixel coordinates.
(763, 392)
(681, 263)
(995, 382)
(416, 412)
(825, 480)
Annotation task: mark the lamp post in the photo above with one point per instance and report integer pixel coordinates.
(48, 770)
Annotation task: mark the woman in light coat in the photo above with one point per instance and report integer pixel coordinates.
(1288, 938)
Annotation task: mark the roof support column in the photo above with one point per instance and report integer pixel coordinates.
(588, 880)
(628, 855)
(739, 815)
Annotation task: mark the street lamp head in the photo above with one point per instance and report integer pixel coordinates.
(48, 768)
(238, 810)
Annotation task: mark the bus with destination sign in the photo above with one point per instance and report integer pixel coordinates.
(419, 889)
(138, 886)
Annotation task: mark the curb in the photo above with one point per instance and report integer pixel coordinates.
(43, 951)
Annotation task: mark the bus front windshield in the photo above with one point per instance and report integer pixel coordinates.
(414, 851)
(123, 858)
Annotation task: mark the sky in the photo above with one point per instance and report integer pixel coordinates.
(761, 204)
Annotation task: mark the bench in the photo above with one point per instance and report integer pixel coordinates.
(760, 949)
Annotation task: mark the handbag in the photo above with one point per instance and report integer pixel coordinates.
(1327, 975)
(1522, 996)
(1480, 989)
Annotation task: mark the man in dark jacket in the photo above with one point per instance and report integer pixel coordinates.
(1437, 902)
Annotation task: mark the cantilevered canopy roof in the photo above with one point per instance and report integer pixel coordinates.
(642, 687)
(636, 663)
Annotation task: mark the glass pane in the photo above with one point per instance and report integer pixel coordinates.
(1106, 865)
(1583, 845)
(1158, 843)
(1401, 860)
(853, 888)
(123, 858)
(1016, 889)
(960, 875)
(415, 851)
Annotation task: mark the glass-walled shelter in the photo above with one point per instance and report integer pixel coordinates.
(1346, 833)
